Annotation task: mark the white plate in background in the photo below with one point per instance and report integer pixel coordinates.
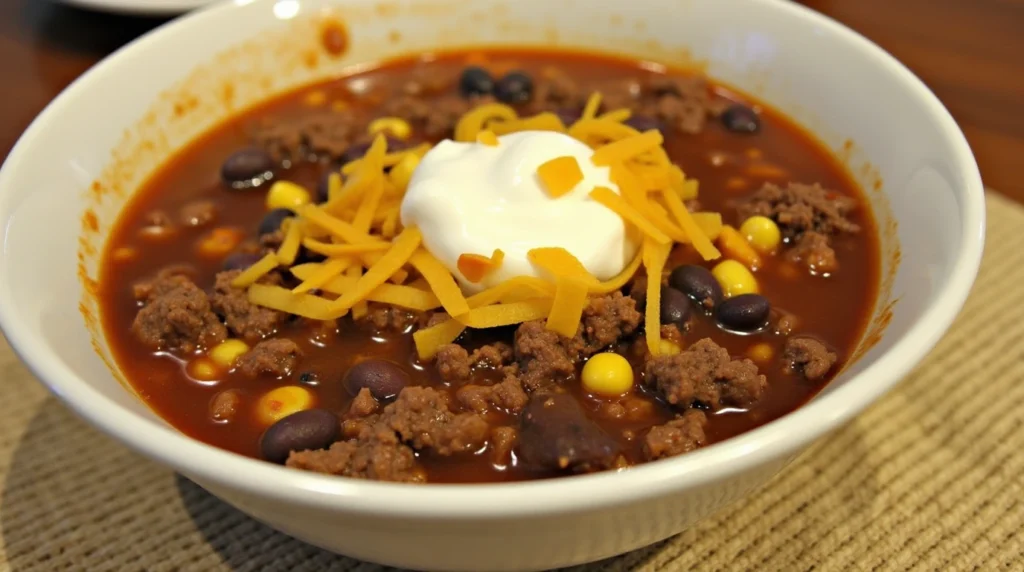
(141, 7)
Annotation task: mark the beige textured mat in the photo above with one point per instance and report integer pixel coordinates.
(930, 478)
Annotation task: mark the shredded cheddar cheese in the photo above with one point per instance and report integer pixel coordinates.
(371, 258)
(253, 273)
(487, 137)
(441, 282)
(608, 198)
(655, 255)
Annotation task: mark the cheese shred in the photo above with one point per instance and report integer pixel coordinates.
(371, 258)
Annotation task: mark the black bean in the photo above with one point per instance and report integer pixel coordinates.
(516, 87)
(475, 81)
(739, 118)
(309, 377)
(272, 221)
(698, 283)
(240, 260)
(383, 378)
(303, 431)
(675, 306)
(645, 123)
(556, 435)
(247, 168)
(743, 313)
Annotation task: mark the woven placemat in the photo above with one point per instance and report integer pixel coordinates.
(930, 478)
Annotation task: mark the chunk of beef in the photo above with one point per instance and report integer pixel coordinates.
(676, 437)
(798, 208)
(326, 135)
(385, 318)
(809, 357)
(363, 405)
(422, 418)
(455, 364)
(224, 406)
(275, 357)
(813, 250)
(376, 454)
(557, 91)
(684, 103)
(166, 279)
(705, 374)
(431, 319)
(507, 395)
(493, 355)
(177, 316)
(247, 320)
(556, 435)
(546, 357)
(503, 442)
(608, 318)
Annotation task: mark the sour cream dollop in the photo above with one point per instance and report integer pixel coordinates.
(475, 198)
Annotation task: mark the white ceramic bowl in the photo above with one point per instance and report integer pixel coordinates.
(66, 180)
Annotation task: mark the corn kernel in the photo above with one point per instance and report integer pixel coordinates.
(734, 278)
(226, 352)
(761, 353)
(286, 195)
(220, 242)
(762, 233)
(668, 347)
(203, 369)
(401, 173)
(395, 126)
(607, 374)
(282, 402)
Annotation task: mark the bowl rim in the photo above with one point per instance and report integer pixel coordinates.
(773, 441)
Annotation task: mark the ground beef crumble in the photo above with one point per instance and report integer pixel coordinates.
(422, 418)
(808, 216)
(176, 315)
(798, 208)
(545, 357)
(384, 318)
(245, 319)
(704, 374)
(363, 405)
(275, 357)
(814, 250)
(809, 357)
(327, 135)
(376, 454)
(676, 437)
(455, 364)
(507, 395)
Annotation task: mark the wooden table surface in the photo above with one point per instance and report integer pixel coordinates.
(970, 52)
